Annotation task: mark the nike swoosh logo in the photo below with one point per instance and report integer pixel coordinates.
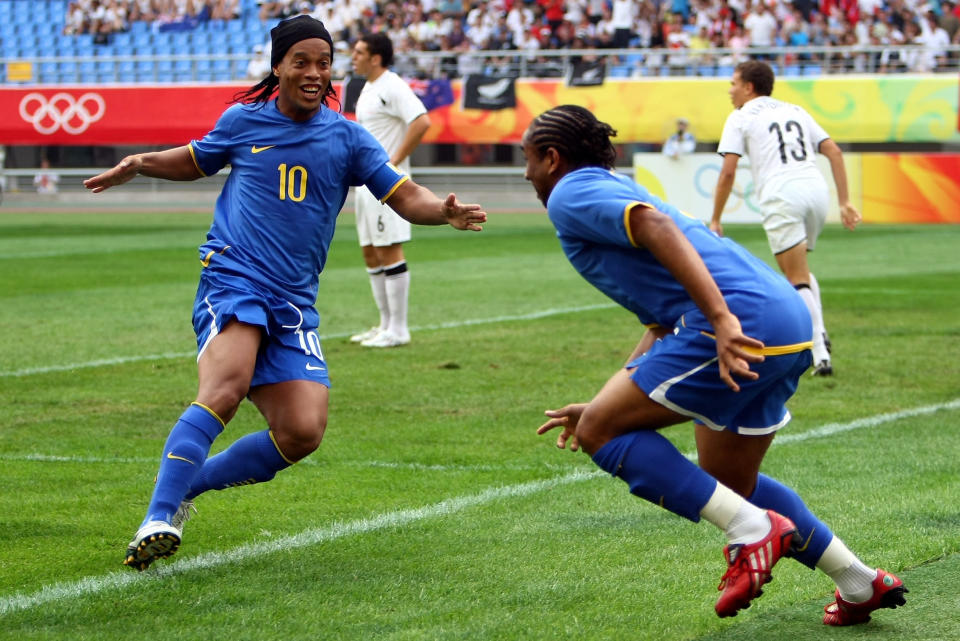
(806, 543)
(314, 367)
(257, 150)
(174, 457)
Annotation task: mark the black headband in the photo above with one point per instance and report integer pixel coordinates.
(290, 32)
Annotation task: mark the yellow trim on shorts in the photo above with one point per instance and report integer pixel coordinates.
(212, 413)
(772, 350)
(282, 455)
(193, 156)
(394, 188)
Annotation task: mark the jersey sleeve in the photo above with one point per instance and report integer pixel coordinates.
(593, 215)
(817, 133)
(407, 105)
(731, 140)
(371, 165)
(212, 152)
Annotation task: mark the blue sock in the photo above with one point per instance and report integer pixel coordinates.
(255, 458)
(773, 495)
(184, 453)
(657, 472)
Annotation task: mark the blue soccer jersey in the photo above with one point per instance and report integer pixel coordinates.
(589, 209)
(275, 218)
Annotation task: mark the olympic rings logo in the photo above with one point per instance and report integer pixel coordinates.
(62, 110)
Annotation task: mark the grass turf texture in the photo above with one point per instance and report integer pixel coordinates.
(431, 510)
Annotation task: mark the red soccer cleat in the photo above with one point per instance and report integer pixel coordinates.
(888, 592)
(751, 563)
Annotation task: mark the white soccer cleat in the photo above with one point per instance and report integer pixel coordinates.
(365, 336)
(386, 338)
(155, 540)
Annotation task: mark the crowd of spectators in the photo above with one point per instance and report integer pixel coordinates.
(677, 30)
(103, 17)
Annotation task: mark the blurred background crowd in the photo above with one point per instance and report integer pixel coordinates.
(676, 27)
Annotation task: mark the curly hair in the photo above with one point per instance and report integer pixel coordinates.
(576, 134)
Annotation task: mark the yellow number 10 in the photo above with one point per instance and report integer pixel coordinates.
(290, 185)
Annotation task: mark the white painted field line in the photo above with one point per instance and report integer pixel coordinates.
(119, 360)
(115, 580)
(313, 536)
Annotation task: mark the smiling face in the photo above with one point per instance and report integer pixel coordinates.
(304, 76)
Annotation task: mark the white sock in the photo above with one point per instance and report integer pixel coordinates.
(398, 290)
(820, 352)
(378, 285)
(815, 288)
(854, 579)
(740, 520)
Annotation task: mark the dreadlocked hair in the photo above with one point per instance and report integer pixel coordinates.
(576, 134)
(264, 90)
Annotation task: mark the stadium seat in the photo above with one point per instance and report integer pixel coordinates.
(792, 70)
(619, 71)
(706, 70)
(49, 73)
(812, 70)
(127, 71)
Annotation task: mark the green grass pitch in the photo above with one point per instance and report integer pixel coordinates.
(432, 510)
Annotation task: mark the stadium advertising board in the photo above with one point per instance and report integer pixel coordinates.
(886, 188)
(903, 108)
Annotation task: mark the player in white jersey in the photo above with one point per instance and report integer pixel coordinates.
(780, 140)
(389, 110)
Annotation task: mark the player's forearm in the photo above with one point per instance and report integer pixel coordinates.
(171, 164)
(411, 139)
(840, 179)
(417, 204)
(722, 193)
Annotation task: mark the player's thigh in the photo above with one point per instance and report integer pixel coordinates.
(618, 408)
(226, 366)
(731, 458)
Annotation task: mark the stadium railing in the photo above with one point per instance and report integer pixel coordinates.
(556, 63)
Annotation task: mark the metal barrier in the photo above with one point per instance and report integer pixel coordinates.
(560, 63)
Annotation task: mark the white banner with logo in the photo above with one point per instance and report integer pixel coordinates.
(689, 182)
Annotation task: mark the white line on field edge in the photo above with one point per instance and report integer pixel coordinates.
(119, 360)
(114, 580)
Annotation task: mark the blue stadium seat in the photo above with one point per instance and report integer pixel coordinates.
(706, 70)
(68, 72)
(49, 72)
(812, 70)
(619, 71)
(127, 71)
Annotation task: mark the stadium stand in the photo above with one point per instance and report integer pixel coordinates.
(198, 40)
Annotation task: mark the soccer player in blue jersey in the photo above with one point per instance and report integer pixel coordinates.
(293, 160)
(727, 340)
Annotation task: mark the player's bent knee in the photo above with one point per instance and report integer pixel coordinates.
(298, 439)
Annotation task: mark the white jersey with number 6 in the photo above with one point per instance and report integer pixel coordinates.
(779, 139)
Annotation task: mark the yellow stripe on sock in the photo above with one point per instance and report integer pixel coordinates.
(212, 413)
(273, 439)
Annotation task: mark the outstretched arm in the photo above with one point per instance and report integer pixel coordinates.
(848, 213)
(728, 174)
(171, 164)
(420, 206)
(659, 234)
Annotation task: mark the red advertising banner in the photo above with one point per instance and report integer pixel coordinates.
(97, 115)
(883, 108)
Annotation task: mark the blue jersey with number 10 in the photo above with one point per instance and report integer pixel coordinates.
(275, 218)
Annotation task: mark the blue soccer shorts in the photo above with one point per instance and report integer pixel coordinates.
(290, 348)
(681, 372)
